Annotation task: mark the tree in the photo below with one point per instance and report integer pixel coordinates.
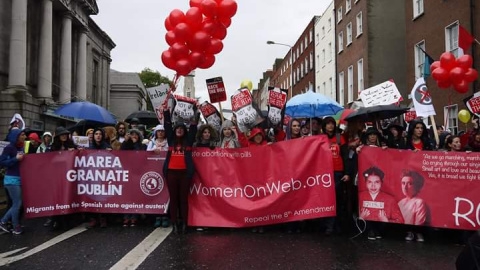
(152, 78)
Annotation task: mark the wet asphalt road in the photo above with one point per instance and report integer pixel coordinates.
(231, 249)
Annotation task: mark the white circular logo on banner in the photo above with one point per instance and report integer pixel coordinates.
(151, 183)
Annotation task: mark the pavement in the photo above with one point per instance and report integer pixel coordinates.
(144, 247)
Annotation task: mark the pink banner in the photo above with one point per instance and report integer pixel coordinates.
(93, 181)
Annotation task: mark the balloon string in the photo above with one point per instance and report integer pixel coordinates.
(445, 124)
(173, 87)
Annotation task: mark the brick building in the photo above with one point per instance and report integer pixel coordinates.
(433, 26)
(370, 46)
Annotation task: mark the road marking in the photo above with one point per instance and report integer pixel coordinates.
(6, 254)
(137, 255)
(49, 243)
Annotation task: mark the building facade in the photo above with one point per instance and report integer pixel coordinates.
(432, 26)
(304, 60)
(127, 94)
(51, 52)
(325, 56)
(370, 46)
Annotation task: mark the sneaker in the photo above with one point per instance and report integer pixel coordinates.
(165, 222)
(371, 236)
(378, 235)
(3, 227)
(409, 236)
(133, 223)
(200, 229)
(158, 222)
(92, 223)
(48, 223)
(420, 237)
(126, 222)
(18, 230)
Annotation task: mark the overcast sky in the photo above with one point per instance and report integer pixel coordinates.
(137, 27)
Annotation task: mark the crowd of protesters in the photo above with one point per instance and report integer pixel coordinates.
(179, 139)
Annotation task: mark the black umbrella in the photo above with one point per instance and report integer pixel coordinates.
(376, 113)
(145, 117)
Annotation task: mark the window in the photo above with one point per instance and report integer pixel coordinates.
(419, 59)
(330, 24)
(294, 77)
(360, 75)
(298, 53)
(350, 84)
(306, 42)
(298, 74)
(323, 32)
(318, 38)
(451, 38)
(306, 65)
(330, 87)
(349, 33)
(450, 114)
(339, 15)
(359, 24)
(340, 41)
(310, 34)
(341, 88)
(311, 60)
(95, 73)
(323, 57)
(348, 6)
(318, 62)
(301, 47)
(324, 88)
(417, 8)
(330, 52)
(301, 71)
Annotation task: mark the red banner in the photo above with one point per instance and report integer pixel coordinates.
(93, 181)
(216, 90)
(281, 182)
(437, 189)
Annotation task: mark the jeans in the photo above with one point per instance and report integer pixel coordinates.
(330, 222)
(13, 212)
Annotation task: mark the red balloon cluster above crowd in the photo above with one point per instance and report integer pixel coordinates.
(195, 37)
(457, 72)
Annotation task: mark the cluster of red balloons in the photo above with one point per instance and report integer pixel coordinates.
(196, 36)
(457, 72)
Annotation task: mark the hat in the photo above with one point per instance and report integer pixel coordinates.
(61, 131)
(227, 124)
(398, 127)
(256, 131)
(134, 120)
(34, 137)
(46, 133)
(372, 130)
(159, 127)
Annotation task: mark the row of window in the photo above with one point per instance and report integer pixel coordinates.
(349, 32)
(341, 82)
(303, 68)
(325, 53)
(348, 7)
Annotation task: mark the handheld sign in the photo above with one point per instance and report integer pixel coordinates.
(276, 102)
(211, 115)
(383, 94)
(157, 95)
(81, 141)
(473, 103)
(216, 90)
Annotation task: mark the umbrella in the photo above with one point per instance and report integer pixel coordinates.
(376, 113)
(86, 110)
(145, 117)
(341, 115)
(311, 105)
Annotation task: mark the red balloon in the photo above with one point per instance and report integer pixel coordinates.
(183, 67)
(208, 26)
(225, 21)
(199, 41)
(434, 66)
(219, 1)
(216, 46)
(447, 60)
(207, 62)
(176, 16)
(196, 3)
(444, 84)
(440, 74)
(461, 87)
(196, 58)
(194, 17)
(168, 25)
(179, 50)
(209, 8)
(219, 31)
(457, 74)
(168, 60)
(465, 61)
(471, 75)
(182, 32)
(227, 9)
(170, 38)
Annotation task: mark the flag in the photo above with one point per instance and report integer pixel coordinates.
(426, 65)
(464, 40)
(422, 100)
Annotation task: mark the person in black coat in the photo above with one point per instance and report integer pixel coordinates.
(417, 136)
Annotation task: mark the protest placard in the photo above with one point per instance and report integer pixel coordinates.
(382, 94)
(81, 141)
(216, 90)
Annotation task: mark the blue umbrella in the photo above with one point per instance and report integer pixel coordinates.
(86, 110)
(311, 105)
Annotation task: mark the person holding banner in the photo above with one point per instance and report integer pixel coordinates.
(121, 128)
(11, 157)
(46, 141)
(305, 128)
(159, 140)
(474, 137)
(395, 138)
(228, 137)
(417, 136)
(206, 137)
(178, 168)
(453, 144)
(89, 134)
(376, 205)
(413, 208)
(294, 129)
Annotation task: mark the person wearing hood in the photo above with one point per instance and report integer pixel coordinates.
(341, 168)
(395, 138)
(99, 142)
(178, 168)
(11, 157)
(417, 136)
(32, 144)
(133, 141)
(159, 140)
(46, 142)
(255, 138)
(294, 130)
(228, 137)
(206, 137)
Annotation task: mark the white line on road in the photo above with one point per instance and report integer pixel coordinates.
(136, 256)
(6, 254)
(49, 243)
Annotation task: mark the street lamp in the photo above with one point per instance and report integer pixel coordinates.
(269, 42)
